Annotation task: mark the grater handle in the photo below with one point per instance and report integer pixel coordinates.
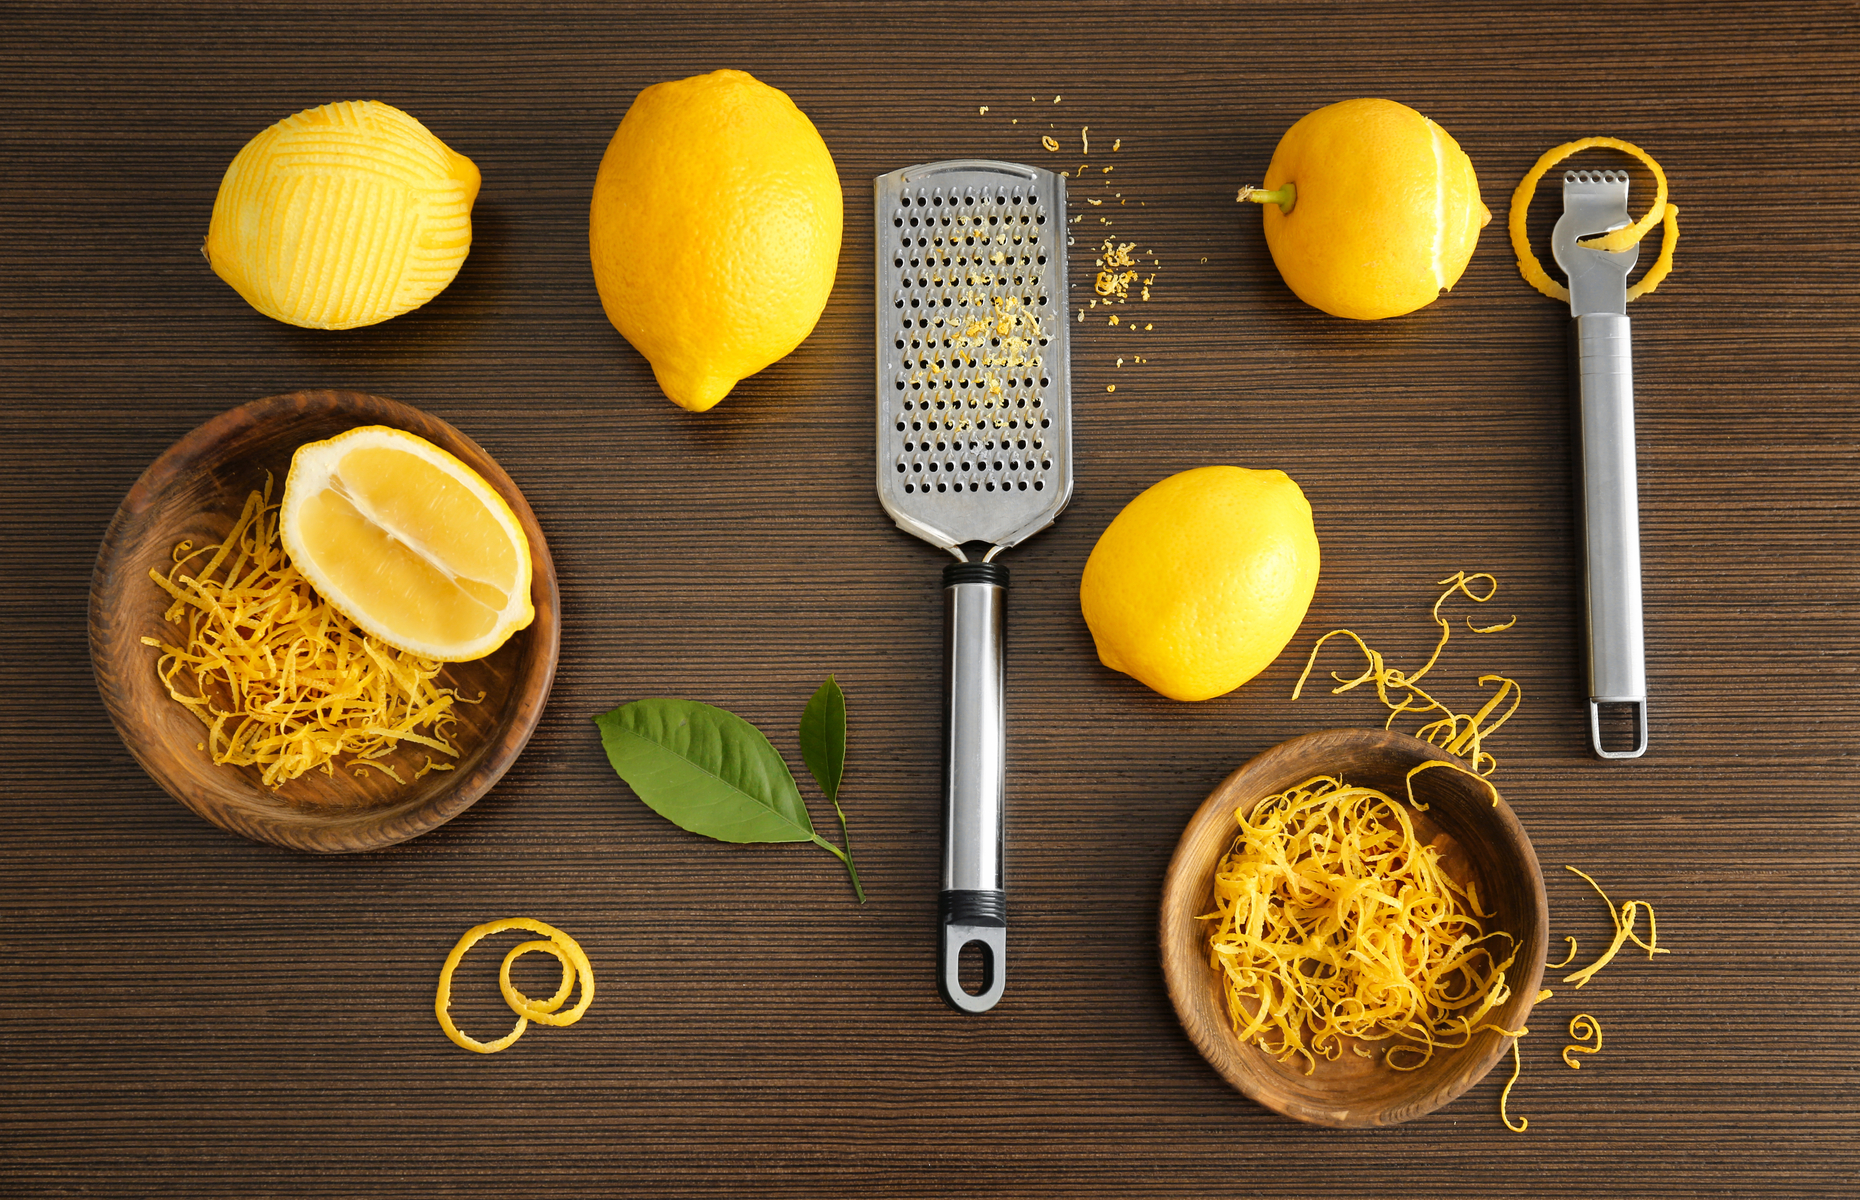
(972, 908)
(1604, 377)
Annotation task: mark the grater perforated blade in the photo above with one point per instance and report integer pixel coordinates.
(974, 449)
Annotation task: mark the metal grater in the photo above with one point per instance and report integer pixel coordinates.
(974, 456)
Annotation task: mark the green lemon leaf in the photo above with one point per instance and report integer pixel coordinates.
(823, 738)
(706, 770)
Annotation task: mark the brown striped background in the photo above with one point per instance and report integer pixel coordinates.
(183, 1012)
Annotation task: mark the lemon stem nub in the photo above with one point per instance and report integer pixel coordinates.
(1284, 197)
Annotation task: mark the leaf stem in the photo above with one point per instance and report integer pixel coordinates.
(844, 856)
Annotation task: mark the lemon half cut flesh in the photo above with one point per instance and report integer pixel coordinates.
(408, 542)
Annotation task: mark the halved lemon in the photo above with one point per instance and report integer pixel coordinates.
(408, 542)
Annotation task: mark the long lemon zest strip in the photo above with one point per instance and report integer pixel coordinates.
(1661, 211)
(1624, 920)
(543, 1011)
(1453, 732)
(1333, 924)
(522, 1005)
(1582, 1026)
(1504, 1097)
(1568, 959)
(559, 944)
(1441, 762)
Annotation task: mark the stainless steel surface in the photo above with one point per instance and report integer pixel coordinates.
(1595, 202)
(974, 395)
(975, 747)
(974, 446)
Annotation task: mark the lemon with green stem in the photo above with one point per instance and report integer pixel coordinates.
(1371, 210)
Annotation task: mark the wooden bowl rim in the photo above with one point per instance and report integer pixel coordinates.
(1186, 973)
(366, 831)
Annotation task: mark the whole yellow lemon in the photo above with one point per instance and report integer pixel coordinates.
(341, 216)
(715, 231)
(1382, 211)
(1201, 581)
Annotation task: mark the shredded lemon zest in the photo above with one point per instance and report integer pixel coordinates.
(1452, 732)
(1544, 995)
(281, 680)
(1582, 1026)
(1049, 142)
(575, 968)
(1661, 211)
(1504, 1097)
(1441, 762)
(1332, 922)
(1624, 919)
(1568, 959)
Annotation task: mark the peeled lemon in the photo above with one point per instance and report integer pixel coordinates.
(341, 216)
(407, 542)
(1202, 580)
(1371, 209)
(714, 231)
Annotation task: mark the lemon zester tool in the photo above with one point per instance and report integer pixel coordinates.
(1602, 375)
(974, 456)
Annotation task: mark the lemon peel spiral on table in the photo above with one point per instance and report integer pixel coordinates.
(342, 216)
(575, 969)
(1661, 211)
(714, 231)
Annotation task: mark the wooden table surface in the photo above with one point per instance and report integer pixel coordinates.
(184, 1012)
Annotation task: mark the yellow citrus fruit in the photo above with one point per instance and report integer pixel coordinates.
(1201, 581)
(408, 542)
(341, 216)
(1384, 211)
(715, 231)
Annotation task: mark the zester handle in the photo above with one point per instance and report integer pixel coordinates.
(1604, 377)
(973, 906)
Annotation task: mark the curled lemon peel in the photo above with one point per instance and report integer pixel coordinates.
(522, 1005)
(1582, 1027)
(1333, 924)
(565, 949)
(1624, 919)
(1429, 765)
(1661, 212)
(1567, 959)
(1455, 733)
(1504, 1097)
(282, 681)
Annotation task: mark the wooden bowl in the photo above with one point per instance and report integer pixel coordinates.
(1487, 844)
(195, 491)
